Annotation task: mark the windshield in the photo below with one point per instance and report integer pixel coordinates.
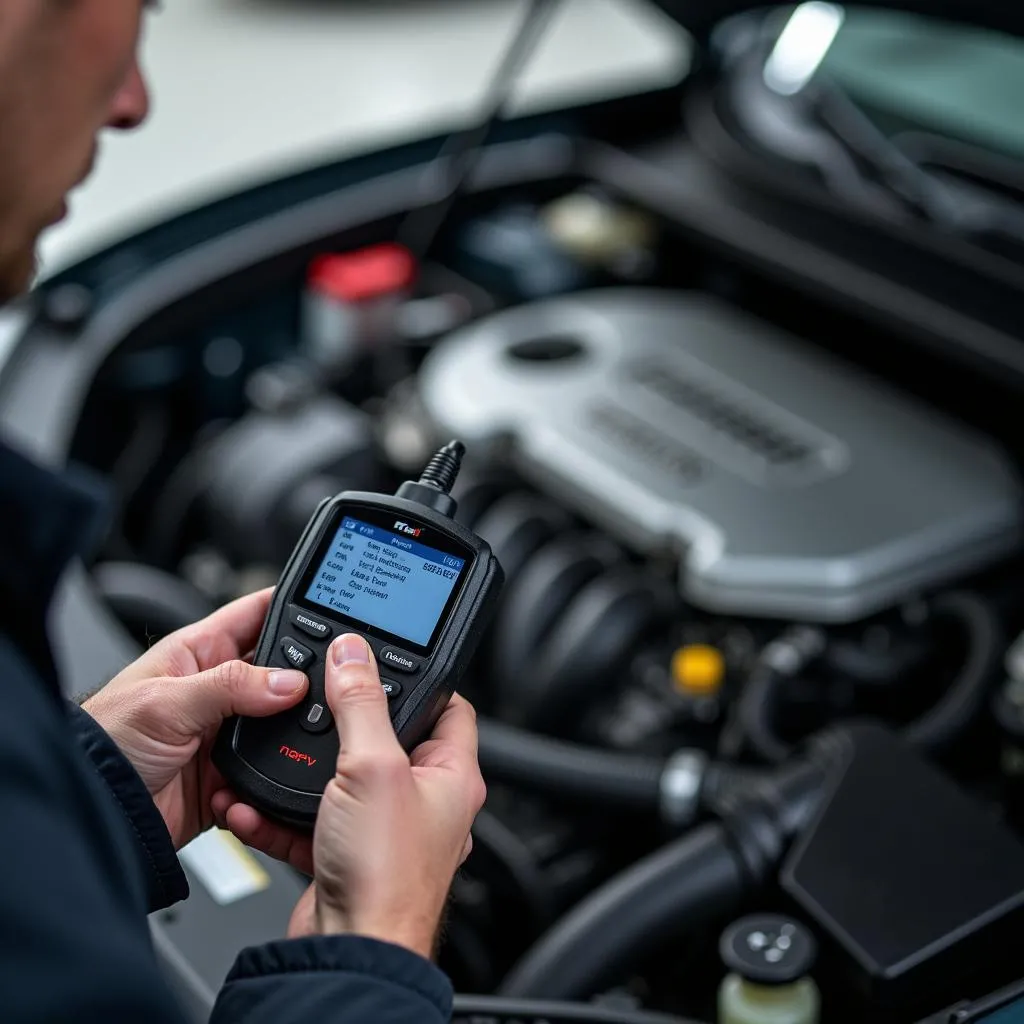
(903, 118)
(910, 72)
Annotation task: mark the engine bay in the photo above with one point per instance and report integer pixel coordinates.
(752, 706)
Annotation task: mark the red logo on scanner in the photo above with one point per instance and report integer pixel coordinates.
(409, 531)
(297, 755)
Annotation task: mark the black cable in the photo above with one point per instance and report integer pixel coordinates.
(967, 695)
(755, 713)
(461, 154)
(752, 721)
(568, 770)
(934, 730)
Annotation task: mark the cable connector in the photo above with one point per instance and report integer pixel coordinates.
(436, 481)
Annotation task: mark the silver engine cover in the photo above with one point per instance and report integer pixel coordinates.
(788, 483)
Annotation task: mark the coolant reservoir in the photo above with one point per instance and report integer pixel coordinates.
(769, 958)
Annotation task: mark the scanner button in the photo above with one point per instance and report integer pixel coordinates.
(297, 655)
(317, 718)
(311, 625)
(399, 660)
(391, 688)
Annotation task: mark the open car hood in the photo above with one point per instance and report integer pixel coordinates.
(700, 16)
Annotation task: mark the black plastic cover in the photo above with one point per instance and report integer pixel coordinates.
(918, 884)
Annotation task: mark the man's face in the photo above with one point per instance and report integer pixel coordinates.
(68, 68)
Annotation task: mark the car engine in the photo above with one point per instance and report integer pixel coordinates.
(755, 594)
(685, 429)
(751, 707)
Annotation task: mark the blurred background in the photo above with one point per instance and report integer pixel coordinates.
(245, 90)
(249, 89)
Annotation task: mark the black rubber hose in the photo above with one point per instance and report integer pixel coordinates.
(499, 852)
(967, 695)
(569, 770)
(694, 880)
(934, 731)
(755, 714)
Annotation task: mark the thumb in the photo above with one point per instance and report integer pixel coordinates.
(359, 703)
(237, 688)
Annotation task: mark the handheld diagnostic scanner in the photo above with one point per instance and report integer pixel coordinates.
(398, 570)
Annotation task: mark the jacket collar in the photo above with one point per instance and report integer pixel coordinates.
(46, 519)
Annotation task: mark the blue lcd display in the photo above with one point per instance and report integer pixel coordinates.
(386, 580)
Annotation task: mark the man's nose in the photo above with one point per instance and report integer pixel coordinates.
(131, 104)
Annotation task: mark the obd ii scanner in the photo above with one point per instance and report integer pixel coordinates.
(417, 586)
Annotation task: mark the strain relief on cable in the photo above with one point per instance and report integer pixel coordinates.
(436, 481)
(443, 468)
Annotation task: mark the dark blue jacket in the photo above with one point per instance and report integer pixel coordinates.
(84, 854)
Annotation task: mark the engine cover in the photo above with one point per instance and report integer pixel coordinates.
(788, 483)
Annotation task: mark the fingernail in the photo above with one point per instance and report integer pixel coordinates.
(350, 648)
(284, 682)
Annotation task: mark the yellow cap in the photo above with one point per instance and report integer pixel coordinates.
(698, 670)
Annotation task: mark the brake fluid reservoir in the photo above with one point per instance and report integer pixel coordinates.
(769, 958)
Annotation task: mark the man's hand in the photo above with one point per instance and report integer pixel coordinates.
(164, 710)
(392, 830)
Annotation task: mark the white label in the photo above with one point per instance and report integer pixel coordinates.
(226, 869)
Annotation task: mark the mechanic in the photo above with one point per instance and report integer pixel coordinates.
(95, 801)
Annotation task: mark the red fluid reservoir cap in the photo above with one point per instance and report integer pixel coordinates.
(364, 274)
